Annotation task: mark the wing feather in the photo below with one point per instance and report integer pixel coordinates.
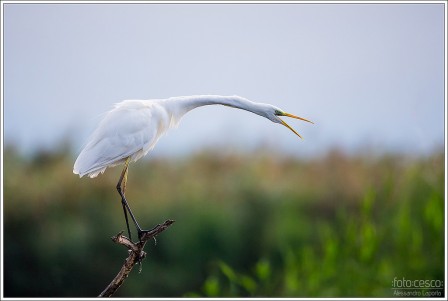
(131, 129)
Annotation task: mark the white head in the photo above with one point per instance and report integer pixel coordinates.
(272, 113)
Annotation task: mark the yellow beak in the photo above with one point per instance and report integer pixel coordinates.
(296, 117)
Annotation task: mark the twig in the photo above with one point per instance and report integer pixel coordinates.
(136, 255)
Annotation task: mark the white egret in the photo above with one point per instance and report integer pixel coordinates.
(133, 127)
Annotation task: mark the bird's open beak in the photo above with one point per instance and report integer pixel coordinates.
(296, 117)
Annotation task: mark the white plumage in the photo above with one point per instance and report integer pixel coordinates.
(133, 127)
(130, 129)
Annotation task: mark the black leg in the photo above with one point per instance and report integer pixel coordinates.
(121, 192)
(126, 218)
(121, 188)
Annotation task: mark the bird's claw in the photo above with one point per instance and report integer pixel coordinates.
(141, 233)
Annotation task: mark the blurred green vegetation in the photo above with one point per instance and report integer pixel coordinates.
(246, 225)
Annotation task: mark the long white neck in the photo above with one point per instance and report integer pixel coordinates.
(178, 106)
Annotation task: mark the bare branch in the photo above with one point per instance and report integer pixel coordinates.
(136, 255)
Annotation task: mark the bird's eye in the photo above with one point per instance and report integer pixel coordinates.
(278, 113)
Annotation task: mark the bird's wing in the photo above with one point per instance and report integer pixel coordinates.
(126, 131)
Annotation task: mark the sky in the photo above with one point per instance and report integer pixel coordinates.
(371, 76)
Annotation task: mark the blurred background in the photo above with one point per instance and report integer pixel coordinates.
(258, 211)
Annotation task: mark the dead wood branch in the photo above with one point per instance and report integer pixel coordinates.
(136, 255)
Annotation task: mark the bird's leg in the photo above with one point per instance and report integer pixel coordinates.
(121, 187)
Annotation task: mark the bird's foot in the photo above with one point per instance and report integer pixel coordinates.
(141, 233)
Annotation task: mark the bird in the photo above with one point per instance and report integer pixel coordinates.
(132, 128)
